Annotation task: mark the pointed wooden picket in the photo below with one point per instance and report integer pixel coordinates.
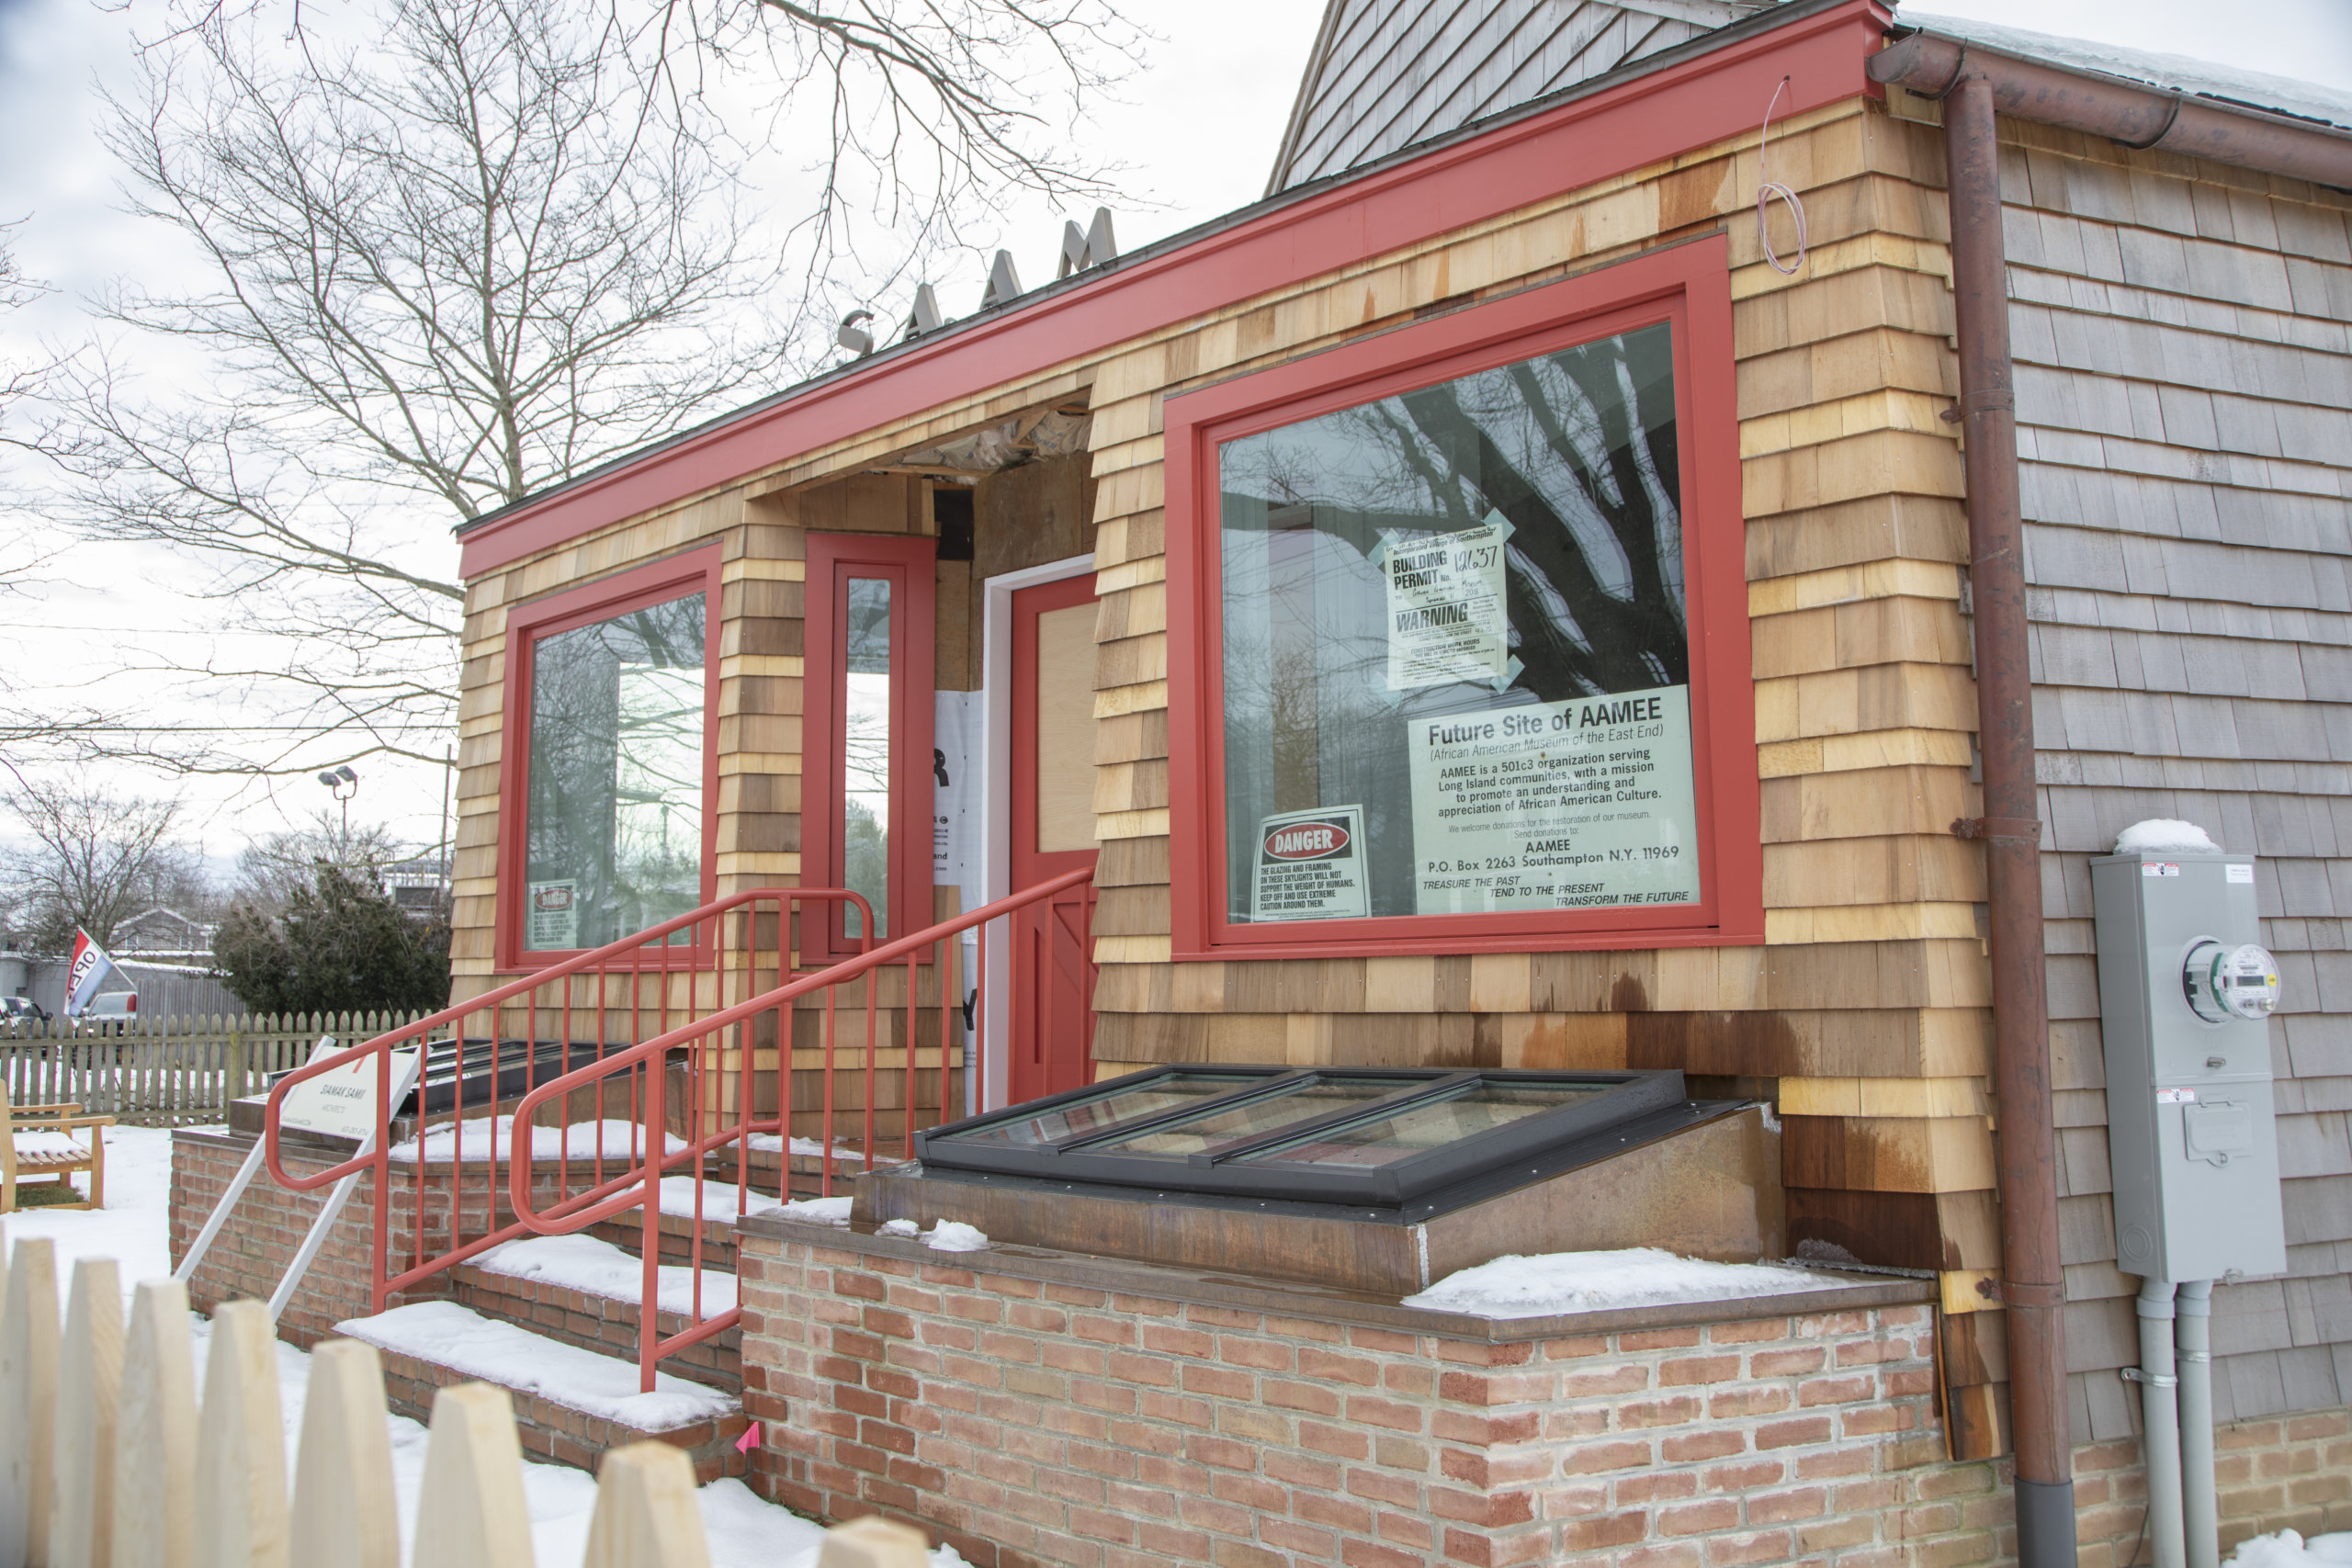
(473, 1515)
(27, 1402)
(80, 1527)
(645, 1514)
(344, 1513)
(154, 1505)
(874, 1544)
(240, 1446)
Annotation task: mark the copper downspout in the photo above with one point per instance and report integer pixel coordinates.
(1974, 86)
(2033, 1285)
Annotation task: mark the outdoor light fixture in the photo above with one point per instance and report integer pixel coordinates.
(345, 784)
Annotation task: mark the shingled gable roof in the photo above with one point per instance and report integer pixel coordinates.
(1386, 75)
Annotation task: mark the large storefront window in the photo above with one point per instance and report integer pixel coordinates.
(1457, 633)
(1456, 651)
(616, 813)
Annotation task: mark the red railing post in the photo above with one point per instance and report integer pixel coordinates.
(657, 1143)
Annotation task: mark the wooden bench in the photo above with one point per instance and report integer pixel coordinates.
(36, 1145)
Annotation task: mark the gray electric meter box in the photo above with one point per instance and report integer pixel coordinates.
(2184, 995)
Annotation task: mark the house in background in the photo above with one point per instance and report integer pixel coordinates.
(1503, 604)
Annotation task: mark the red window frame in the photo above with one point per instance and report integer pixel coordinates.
(908, 563)
(656, 582)
(1688, 286)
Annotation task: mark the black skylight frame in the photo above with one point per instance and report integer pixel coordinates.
(1620, 1097)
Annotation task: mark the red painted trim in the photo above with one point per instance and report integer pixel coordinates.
(1027, 863)
(1709, 98)
(1687, 285)
(907, 563)
(584, 605)
(1044, 1059)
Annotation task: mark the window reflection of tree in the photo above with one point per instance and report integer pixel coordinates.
(616, 768)
(1578, 450)
(865, 749)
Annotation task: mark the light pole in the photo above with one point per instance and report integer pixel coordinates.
(345, 784)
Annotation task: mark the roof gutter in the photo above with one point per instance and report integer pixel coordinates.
(1977, 85)
(2139, 116)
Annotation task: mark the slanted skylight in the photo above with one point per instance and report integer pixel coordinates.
(1333, 1135)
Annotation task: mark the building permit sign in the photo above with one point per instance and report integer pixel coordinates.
(1447, 617)
(1582, 804)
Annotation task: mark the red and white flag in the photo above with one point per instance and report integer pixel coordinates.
(85, 974)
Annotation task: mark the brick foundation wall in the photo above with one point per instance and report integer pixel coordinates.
(1076, 1411)
(1079, 1423)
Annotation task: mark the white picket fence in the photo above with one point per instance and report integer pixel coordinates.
(109, 1460)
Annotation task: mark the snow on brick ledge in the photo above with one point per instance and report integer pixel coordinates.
(1551, 1284)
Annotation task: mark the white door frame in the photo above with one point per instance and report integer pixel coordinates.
(996, 784)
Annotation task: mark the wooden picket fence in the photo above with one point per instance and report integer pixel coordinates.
(106, 1457)
(170, 1072)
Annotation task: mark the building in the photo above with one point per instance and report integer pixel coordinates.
(1146, 555)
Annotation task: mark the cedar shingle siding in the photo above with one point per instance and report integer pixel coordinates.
(2185, 433)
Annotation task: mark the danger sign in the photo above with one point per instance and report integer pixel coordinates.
(1310, 866)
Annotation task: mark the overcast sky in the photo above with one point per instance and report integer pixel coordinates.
(1196, 131)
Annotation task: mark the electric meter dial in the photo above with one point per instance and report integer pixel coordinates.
(2223, 983)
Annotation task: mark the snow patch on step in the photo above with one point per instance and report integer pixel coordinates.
(494, 1137)
(719, 1200)
(449, 1336)
(596, 1267)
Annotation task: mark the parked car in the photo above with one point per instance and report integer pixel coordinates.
(13, 1008)
(112, 1013)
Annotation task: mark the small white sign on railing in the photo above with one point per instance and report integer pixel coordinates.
(342, 1103)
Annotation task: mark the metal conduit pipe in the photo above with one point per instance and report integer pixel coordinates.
(2034, 1288)
(2137, 117)
(2199, 1519)
(2160, 1421)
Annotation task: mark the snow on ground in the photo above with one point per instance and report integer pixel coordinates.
(1596, 1281)
(133, 1228)
(2288, 1549)
(820, 1211)
(599, 1269)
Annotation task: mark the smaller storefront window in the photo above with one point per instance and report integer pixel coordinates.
(614, 824)
(866, 752)
(867, 771)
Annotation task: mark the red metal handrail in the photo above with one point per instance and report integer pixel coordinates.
(604, 964)
(647, 1063)
(614, 1197)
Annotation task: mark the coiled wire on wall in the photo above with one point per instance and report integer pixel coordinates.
(1770, 190)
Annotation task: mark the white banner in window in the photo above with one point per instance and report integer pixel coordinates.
(555, 915)
(1310, 866)
(1447, 619)
(1585, 804)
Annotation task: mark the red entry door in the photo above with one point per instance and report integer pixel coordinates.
(1052, 830)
